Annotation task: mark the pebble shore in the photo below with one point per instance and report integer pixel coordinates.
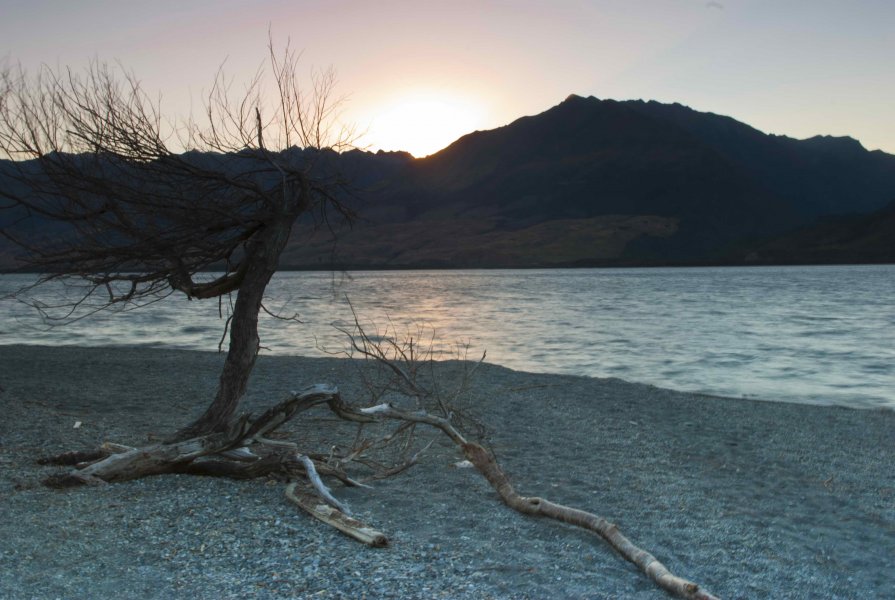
(749, 499)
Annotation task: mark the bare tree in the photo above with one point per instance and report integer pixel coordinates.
(140, 207)
(146, 205)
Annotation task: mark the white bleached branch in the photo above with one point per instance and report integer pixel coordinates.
(318, 484)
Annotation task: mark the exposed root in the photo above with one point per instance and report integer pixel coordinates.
(244, 452)
(484, 461)
(487, 465)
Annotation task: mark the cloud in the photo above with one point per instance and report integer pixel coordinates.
(714, 4)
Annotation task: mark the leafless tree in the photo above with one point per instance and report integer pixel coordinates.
(139, 206)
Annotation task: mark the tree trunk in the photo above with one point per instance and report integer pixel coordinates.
(262, 258)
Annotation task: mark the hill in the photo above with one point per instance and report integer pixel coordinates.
(594, 182)
(601, 182)
(851, 239)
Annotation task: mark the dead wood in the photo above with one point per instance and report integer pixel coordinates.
(336, 518)
(242, 452)
(128, 206)
(74, 457)
(484, 461)
(487, 465)
(118, 463)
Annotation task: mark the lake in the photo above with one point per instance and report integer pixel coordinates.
(823, 335)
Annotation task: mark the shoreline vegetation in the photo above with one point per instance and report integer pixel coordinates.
(747, 498)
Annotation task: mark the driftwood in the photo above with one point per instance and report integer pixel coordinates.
(336, 518)
(187, 456)
(228, 454)
(484, 461)
(243, 451)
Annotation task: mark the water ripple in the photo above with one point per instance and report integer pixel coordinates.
(803, 334)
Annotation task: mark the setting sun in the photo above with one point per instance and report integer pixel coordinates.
(423, 124)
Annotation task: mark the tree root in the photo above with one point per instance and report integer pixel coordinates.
(230, 454)
(484, 461)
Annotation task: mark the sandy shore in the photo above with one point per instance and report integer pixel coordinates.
(750, 499)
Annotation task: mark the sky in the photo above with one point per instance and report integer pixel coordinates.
(416, 75)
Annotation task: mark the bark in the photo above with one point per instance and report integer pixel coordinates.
(75, 457)
(150, 460)
(215, 467)
(317, 483)
(261, 263)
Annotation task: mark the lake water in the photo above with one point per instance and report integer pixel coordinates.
(822, 335)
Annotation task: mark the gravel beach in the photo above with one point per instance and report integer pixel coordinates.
(749, 499)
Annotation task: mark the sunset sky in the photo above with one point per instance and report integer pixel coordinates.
(420, 74)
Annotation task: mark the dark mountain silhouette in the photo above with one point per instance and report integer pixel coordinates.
(852, 239)
(600, 182)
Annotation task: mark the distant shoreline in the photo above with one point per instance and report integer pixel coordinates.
(441, 267)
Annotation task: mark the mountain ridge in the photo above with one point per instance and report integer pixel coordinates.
(725, 185)
(592, 182)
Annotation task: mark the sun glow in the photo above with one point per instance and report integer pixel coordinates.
(423, 124)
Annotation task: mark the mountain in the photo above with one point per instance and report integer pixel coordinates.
(603, 182)
(851, 239)
(594, 182)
